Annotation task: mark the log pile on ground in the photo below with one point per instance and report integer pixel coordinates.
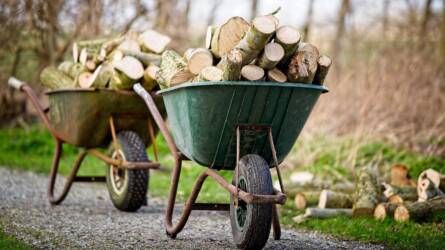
(260, 50)
(114, 63)
(400, 198)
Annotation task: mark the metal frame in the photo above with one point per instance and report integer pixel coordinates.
(173, 229)
(57, 199)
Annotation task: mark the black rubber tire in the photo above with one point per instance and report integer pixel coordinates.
(133, 194)
(255, 231)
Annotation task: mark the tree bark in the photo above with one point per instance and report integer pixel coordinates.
(331, 199)
(420, 211)
(228, 35)
(367, 192)
(345, 9)
(408, 193)
(426, 18)
(231, 65)
(256, 37)
(384, 210)
(303, 65)
(323, 65)
(53, 78)
(307, 24)
(173, 70)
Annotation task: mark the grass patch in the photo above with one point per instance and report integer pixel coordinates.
(32, 149)
(10, 242)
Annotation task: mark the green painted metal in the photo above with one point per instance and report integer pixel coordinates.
(203, 118)
(81, 116)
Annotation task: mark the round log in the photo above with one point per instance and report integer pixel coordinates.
(323, 65)
(289, 38)
(271, 56)
(153, 41)
(252, 72)
(53, 78)
(303, 65)
(305, 199)
(276, 75)
(228, 35)
(420, 211)
(384, 210)
(331, 199)
(197, 59)
(210, 73)
(231, 65)
(149, 82)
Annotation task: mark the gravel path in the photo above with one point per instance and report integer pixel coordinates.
(87, 219)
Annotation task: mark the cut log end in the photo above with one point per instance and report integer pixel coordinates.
(84, 80)
(198, 59)
(276, 75)
(210, 73)
(395, 199)
(252, 72)
(153, 41)
(226, 36)
(300, 201)
(384, 210)
(265, 24)
(131, 67)
(271, 56)
(401, 214)
(288, 35)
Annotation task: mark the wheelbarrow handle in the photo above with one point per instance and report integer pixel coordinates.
(15, 83)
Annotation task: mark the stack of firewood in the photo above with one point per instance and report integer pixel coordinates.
(115, 63)
(238, 50)
(402, 199)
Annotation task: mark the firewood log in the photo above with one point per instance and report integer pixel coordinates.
(256, 37)
(129, 45)
(145, 58)
(271, 56)
(322, 213)
(109, 46)
(385, 210)
(331, 199)
(289, 38)
(252, 72)
(209, 35)
(435, 177)
(305, 199)
(104, 74)
(149, 80)
(210, 73)
(128, 71)
(367, 192)
(323, 65)
(303, 65)
(197, 59)
(85, 80)
(231, 65)
(53, 78)
(407, 193)
(400, 176)
(173, 70)
(153, 41)
(395, 199)
(276, 75)
(426, 189)
(226, 36)
(83, 56)
(420, 211)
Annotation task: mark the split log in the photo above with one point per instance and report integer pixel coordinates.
(367, 192)
(198, 59)
(149, 82)
(384, 210)
(153, 41)
(115, 56)
(225, 37)
(84, 80)
(252, 72)
(323, 65)
(420, 211)
(145, 58)
(209, 35)
(276, 75)
(303, 65)
(289, 38)
(256, 37)
(129, 45)
(271, 56)
(75, 52)
(128, 71)
(437, 178)
(395, 199)
(103, 76)
(306, 199)
(210, 73)
(331, 199)
(322, 213)
(83, 56)
(407, 193)
(400, 176)
(231, 65)
(53, 78)
(173, 70)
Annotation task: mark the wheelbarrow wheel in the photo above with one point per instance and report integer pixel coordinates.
(251, 223)
(128, 187)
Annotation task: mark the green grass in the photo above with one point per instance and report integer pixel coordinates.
(11, 243)
(32, 149)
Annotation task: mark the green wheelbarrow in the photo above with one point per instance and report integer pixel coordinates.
(248, 127)
(91, 119)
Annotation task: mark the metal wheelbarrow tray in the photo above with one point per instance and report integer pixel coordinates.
(90, 119)
(247, 127)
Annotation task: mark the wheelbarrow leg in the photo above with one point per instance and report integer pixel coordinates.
(276, 223)
(53, 175)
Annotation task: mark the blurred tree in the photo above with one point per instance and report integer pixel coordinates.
(308, 23)
(426, 18)
(385, 20)
(443, 30)
(212, 13)
(254, 8)
(344, 11)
